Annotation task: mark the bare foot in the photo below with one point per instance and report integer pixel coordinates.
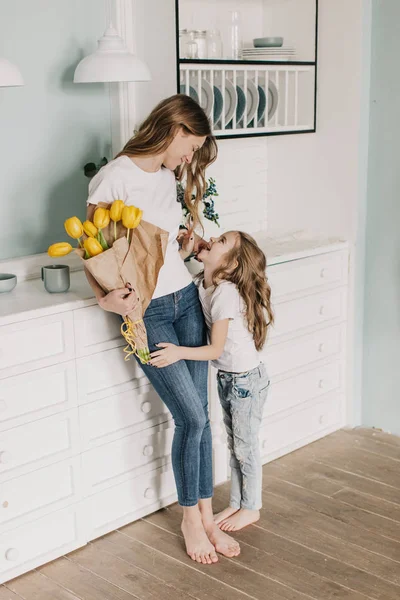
(227, 512)
(240, 519)
(198, 545)
(222, 542)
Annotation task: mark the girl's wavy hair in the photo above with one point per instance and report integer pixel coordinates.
(245, 266)
(158, 131)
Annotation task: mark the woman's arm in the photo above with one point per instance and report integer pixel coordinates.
(172, 353)
(121, 301)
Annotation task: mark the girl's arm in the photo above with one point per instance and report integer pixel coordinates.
(172, 353)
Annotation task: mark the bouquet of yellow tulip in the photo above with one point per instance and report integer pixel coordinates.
(119, 247)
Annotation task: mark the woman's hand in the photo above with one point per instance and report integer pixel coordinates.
(121, 301)
(169, 355)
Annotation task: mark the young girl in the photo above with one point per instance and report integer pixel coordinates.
(235, 298)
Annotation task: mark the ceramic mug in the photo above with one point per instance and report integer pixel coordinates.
(56, 278)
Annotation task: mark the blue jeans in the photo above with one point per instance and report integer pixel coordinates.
(242, 397)
(183, 386)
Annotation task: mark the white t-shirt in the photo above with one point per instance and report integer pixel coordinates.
(224, 302)
(155, 194)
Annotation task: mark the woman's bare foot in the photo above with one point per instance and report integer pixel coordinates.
(222, 542)
(242, 518)
(224, 514)
(198, 545)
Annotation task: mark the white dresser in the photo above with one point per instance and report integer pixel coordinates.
(84, 439)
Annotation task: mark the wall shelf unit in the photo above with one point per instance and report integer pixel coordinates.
(248, 97)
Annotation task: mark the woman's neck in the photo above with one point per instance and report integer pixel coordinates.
(149, 164)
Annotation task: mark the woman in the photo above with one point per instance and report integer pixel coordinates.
(174, 142)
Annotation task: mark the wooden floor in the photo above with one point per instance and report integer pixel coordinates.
(330, 528)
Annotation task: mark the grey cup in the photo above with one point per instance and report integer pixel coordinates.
(56, 278)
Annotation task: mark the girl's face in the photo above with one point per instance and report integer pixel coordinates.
(181, 149)
(213, 256)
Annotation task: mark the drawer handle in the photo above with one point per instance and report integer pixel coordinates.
(146, 407)
(3, 406)
(322, 310)
(321, 348)
(322, 273)
(149, 493)
(321, 419)
(321, 384)
(5, 457)
(264, 444)
(11, 554)
(148, 451)
(5, 504)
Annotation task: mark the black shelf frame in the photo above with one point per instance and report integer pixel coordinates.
(187, 61)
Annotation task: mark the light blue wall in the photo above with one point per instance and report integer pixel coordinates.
(51, 127)
(381, 365)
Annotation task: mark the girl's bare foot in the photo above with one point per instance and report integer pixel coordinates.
(222, 542)
(240, 519)
(198, 545)
(227, 512)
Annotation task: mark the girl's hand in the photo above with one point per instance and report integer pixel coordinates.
(186, 239)
(163, 358)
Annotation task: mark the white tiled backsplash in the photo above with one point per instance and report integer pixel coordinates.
(240, 173)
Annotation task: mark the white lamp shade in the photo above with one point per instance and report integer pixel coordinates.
(9, 74)
(111, 63)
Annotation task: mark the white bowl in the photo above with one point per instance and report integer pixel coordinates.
(8, 281)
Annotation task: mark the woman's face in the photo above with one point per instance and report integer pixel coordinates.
(182, 149)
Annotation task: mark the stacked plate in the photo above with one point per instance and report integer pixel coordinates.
(235, 102)
(283, 53)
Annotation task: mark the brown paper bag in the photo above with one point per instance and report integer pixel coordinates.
(137, 263)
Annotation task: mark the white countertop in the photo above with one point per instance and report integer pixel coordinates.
(29, 299)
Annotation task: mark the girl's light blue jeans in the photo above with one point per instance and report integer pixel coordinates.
(242, 396)
(183, 386)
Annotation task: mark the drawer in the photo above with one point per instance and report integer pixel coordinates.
(288, 393)
(128, 501)
(309, 311)
(50, 489)
(33, 445)
(308, 273)
(96, 330)
(297, 429)
(107, 464)
(304, 350)
(38, 542)
(105, 374)
(31, 396)
(118, 416)
(36, 343)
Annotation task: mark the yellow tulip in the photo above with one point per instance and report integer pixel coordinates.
(74, 228)
(92, 246)
(116, 214)
(59, 249)
(101, 217)
(131, 217)
(90, 229)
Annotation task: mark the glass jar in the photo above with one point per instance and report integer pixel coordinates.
(183, 40)
(191, 46)
(200, 37)
(214, 44)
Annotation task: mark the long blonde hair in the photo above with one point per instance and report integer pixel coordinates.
(245, 266)
(158, 131)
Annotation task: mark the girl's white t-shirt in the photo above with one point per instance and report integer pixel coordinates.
(224, 302)
(155, 194)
